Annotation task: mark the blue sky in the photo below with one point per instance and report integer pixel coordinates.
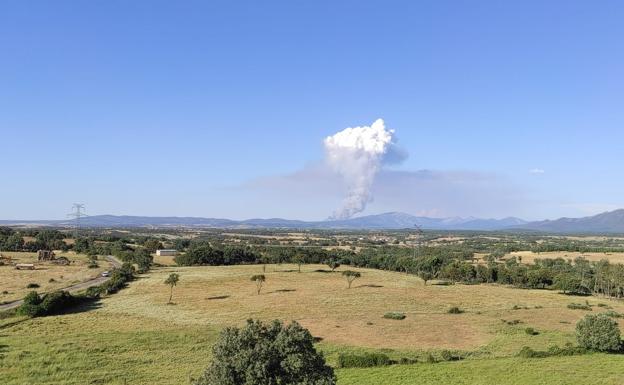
(220, 108)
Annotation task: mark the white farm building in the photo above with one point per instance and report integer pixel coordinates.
(167, 253)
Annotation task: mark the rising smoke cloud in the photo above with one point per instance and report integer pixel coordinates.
(357, 154)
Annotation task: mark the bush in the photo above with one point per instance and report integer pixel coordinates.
(266, 354)
(527, 352)
(31, 306)
(598, 332)
(32, 286)
(613, 314)
(580, 306)
(366, 360)
(531, 331)
(51, 303)
(447, 355)
(394, 315)
(94, 292)
(455, 310)
(568, 350)
(57, 302)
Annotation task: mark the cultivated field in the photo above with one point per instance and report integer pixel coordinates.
(47, 275)
(135, 336)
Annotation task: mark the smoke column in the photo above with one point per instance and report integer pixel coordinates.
(357, 154)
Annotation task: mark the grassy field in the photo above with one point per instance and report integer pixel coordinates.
(47, 275)
(135, 336)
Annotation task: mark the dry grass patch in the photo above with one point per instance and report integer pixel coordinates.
(221, 296)
(47, 275)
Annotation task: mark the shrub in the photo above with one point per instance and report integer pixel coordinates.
(447, 355)
(598, 332)
(94, 292)
(365, 360)
(266, 354)
(613, 314)
(531, 331)
(32, 286)
(51, 280)
(51, 303)
(527, 352)
(579, 306)
(568, 350)
(394, 315)
(455, 310)
(31, 306)
(56, 302)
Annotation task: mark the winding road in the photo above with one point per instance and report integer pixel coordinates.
(73, 288)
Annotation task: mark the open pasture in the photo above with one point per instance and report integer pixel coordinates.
(134, 337)
(321, 301)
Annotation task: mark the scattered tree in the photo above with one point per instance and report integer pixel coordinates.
(172, 281)
(299, 260)
(262, 354)
(333, 264)
(259, 279)
(351, 276)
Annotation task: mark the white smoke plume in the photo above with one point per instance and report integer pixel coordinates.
(357, 154)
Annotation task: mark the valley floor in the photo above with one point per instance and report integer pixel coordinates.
(133, 337)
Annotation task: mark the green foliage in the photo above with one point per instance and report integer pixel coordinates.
(531, 331)
(260, 354)
(613, 314)
(172, 280)
(553, 351)
(394, 315)
(50, 304)
(366, 360)
(598, 332)
(31, 305)
(333, 264)
(259, 279)
(351, 276)
(118, 279)
(580, 306)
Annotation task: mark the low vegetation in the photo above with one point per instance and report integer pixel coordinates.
(395, 315)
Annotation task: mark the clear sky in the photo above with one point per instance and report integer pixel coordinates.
(220, 108)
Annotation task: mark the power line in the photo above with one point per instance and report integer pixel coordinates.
(77, 213)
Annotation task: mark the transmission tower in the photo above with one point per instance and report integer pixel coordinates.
(419, 234)
(77, 213)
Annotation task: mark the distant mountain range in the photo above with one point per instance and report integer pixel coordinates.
(609, 222)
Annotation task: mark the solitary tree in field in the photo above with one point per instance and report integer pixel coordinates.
(425, 276)
(172, 280)
(351, 276)
(333, 264)
(259, 279)
(298, 259)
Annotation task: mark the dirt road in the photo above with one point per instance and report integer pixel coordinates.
(76, 287)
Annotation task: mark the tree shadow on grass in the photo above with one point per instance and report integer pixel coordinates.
(324, 271)
(282, 291)
(83, 305)
(369, 285)
(218, 297)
